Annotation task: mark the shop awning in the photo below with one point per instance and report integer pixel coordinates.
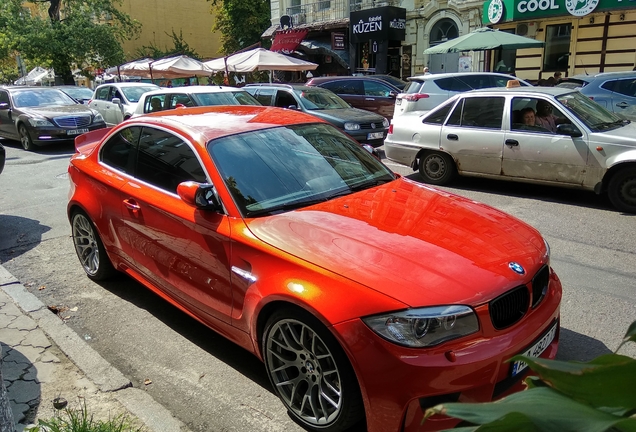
(286, 41)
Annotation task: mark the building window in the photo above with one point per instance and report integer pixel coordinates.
(322, 5)
(295, 7)
(443, 30)
(557, 48)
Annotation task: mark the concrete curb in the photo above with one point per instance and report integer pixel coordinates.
(96, 368)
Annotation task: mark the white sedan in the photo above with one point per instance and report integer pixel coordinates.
(546, 135)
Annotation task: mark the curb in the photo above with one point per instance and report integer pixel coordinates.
(107, 378)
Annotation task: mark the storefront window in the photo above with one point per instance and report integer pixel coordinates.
(557, 48)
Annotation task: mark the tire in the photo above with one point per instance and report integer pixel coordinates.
(437, 168)
(622, 190)
(90, 249)
(25, 138)
(310, 372)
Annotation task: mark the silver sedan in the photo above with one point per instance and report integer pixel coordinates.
(544, 135)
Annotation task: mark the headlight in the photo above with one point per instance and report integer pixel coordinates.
(425, 327)
(385, 123)
(98, 118)
(40, 122)
(351, 126)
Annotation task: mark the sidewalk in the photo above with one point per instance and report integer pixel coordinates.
(43, 359)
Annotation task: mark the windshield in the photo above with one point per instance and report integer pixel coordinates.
(134, 93)
(79, 92)
(320, 99)
(593, 115)
(226, 98)
(41, 97)
(284, 168)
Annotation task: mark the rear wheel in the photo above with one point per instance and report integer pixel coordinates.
(437, 168)
(90, 249)
(622, 190)
(25, 138)
(310, 372)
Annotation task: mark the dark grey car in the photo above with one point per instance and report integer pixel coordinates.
(364, 126)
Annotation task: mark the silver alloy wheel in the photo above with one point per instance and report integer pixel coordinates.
(435, 166)
(305, 372)
(25, 139)
(86, 245)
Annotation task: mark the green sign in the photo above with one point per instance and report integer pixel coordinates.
(499, 11)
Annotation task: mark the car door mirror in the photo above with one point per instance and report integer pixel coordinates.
(116, 101)
(292, 107)
(4, 106)
(568, 129)
(393, 95)
(199, 195)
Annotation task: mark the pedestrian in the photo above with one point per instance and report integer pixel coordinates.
(169, 84)
(557, 77)
(426, 72)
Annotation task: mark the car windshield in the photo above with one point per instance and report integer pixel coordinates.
(134, 93)
(79, 93)
(285, 168)
(41, 97)
(226, 98)
(320, 99)
(593, 115)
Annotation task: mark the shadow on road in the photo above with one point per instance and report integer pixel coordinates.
(19, 235)
(61, 149)
(575, 346)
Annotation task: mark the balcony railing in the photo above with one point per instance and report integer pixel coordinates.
(328, 10)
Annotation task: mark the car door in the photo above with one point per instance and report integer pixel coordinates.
(379, 98)
(623, 99)
(181, 250)
(538, 154)
(351, 90)
(117, 110)
(7, 125)
(100, 104)
(473, 134)
(264, 95)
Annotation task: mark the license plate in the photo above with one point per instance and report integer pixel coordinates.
(76, 131)
(375, 135)
(535, 350)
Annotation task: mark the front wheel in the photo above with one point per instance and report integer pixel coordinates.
(437, 168)
(310, 372)
(622, 190)
(25, 138)
(90, 249)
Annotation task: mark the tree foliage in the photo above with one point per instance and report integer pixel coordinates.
(240, 22)
(80, 33)
(180, 47)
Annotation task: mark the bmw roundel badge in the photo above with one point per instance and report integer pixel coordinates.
(516, 267)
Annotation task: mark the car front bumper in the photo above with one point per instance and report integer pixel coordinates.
(364, 136)
(399, 383)
(51, 135)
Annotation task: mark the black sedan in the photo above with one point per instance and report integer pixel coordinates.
(43, 115)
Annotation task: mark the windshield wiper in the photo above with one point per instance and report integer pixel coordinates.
(607, 125)
(368, 184)
(286, 207)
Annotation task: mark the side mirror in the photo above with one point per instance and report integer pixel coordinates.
(293, 107)
(393, 95)
(373, 151)
(199, 195)
(4, 106)
(568, 129)
(116, 101)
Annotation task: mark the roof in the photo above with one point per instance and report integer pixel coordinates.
(590, 77)
(301, 87)
(194, 89)
(552, 91)
(454, 74)
(128, 84)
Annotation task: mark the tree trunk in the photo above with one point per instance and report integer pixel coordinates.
(6, 415)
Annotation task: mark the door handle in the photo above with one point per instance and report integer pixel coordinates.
(622, 105)
(512, 143)
(369, 99)
(131, 205)
(452, 137)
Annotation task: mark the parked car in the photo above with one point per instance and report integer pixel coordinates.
(366, 294)
(171, 98)
(79, 93)
(425, 92)
(364, 126)
(574, 142)
(117, 101)
(3, 157)
(395, 81)
(37, 116)
(615, 91)
(364, 92)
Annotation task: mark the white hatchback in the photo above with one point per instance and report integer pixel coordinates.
(116, 102)
(425, 92)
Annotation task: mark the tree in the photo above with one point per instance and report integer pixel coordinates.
(241, 22)
(68, 33)
(181, 47)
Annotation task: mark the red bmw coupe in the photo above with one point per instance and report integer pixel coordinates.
(369, 297)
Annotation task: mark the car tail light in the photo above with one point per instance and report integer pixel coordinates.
(415, 97)
(390, 129)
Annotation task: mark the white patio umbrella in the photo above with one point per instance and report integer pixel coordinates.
(179, 67)
(259, 59)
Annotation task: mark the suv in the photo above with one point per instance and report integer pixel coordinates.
(615, 91)
(171, 98)
(425, 92)
(364, 126)
(365, 92)
(117, 102)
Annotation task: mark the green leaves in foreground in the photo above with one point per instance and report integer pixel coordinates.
(566, 396)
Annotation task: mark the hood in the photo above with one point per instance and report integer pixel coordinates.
(56, 111)
(347, 115)
(622, 136)
(416, 244)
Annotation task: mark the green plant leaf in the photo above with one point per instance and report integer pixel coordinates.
(630, 336)
(545, 409)
(606, 382)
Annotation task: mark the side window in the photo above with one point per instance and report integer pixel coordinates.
(453, 84)
(117, 94)
(480, 112)
(476, 81)
(154, 103)
(4, 97)
(164, 160)
(456, 117)
(102, 93)
(438, 116)
(266, 96)
(120, 150)
(372, 88)
(345, 87)
(625, 87)
(179, 99)
(284, 99)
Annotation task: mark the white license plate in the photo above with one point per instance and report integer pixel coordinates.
(535, 350)
(76, 131)
(375, 135)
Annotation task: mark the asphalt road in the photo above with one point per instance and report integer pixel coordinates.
(211, 384)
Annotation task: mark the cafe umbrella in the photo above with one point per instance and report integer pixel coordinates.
(484, 39)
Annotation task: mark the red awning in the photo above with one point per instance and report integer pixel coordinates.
(286, 41)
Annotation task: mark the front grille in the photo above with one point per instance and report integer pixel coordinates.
(540, 285)
(510, 307)
(73, 121)
(378, 126)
